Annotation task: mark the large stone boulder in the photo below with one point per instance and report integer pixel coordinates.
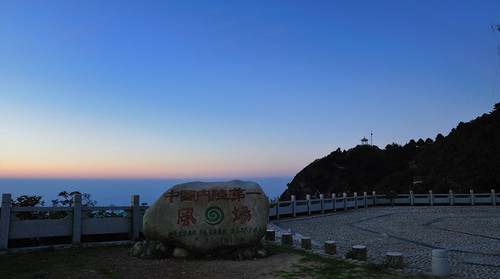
(204, 217)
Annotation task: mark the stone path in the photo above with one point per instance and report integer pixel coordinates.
(470, 235)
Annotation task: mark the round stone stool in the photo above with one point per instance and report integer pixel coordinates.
(440, 263)
(394, 259)
(359, 252)
(270, 235)
(287, 239)
(306, 242)
(330, 247)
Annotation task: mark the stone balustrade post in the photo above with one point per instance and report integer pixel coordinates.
(308, 200)
(451, 197)
(365, 195)
(136, 218)
(77, 219)
(412, 198)
(277, 207)
(345, 200)
(493, 197)
(334, 202)
(355, 200)
(5, 222)
(294, 214)
(374, 198)
(472, 198)
(322, 202)
(431, 198)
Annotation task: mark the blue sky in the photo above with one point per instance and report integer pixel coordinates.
(232, 88)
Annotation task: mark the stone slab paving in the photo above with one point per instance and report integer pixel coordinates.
(469, 234)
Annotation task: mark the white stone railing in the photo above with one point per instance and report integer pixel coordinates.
(77, 224)
(310, 206)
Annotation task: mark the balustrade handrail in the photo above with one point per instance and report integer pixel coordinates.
(132, 222)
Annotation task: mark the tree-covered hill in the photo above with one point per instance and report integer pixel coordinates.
(468, 158)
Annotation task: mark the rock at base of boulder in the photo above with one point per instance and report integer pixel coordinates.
(246, 253)
(180, 253)
(156, 249)
(151, 249)
(262, 253)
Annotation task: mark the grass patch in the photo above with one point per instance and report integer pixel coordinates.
(316, 266)
(93, 262)
(62, 263)
(375, 266)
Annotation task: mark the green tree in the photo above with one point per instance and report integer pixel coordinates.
(439, 137)
(29, 201)
(67, 200)
(420, 143)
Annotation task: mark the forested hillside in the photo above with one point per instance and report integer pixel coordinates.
(468, 158)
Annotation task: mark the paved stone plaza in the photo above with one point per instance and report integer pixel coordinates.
(470, 235)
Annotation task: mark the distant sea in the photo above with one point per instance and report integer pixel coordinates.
(118, 191)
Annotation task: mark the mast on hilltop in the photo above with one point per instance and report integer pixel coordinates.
(495, 28)
(371, 136)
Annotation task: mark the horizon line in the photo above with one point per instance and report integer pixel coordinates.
(144, 178)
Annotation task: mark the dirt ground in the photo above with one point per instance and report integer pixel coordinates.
(120, 265)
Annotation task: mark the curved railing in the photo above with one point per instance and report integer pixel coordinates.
(75, 221)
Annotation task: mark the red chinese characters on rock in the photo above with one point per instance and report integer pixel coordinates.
(234, 194)
(185, 216)
(170, 195)
(241, 214)
(187, 195)
(237, 194)
(219, 194)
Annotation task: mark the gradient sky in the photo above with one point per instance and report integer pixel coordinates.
(173, 89)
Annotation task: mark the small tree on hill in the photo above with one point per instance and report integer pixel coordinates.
(439, 137)
(67, 200)
(29, 201)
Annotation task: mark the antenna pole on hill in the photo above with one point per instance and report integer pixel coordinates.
(494, 28)
(371, 136)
